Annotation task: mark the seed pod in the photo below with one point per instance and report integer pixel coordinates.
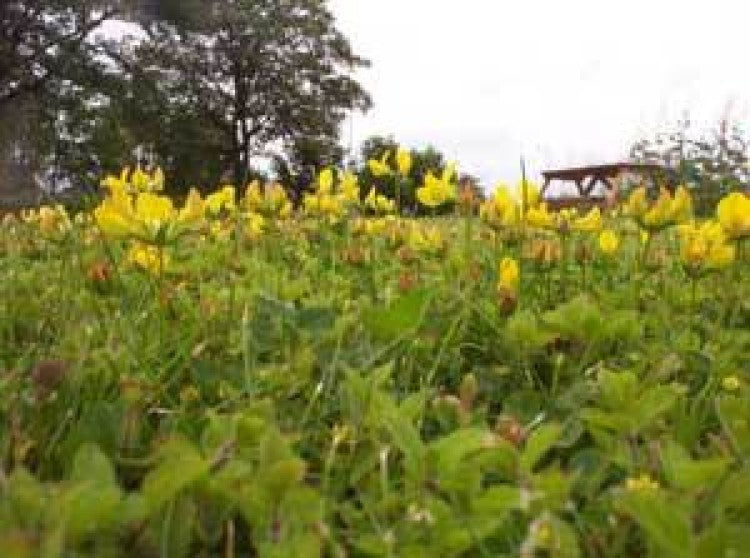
(407, 280)
(468, 391)
(507, 301)
(47, 375)
(509, 428)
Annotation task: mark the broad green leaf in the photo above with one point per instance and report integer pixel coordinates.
(90, 464)
(691, 474)
(24, 498)
(540, 441)
(734, 413)
(400, 317)
(724, 540)
(665, 524)
(735, 492)
(619, 390)
(653, 403)
(497, 501)
(449, 451)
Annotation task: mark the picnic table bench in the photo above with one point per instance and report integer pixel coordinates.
(586, 180)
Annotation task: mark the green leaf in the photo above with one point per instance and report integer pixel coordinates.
(690, 474)
(540, 441)
(406, 438)
(497, 500)
(735, 493)
(399, 318)
(734, 413)
(665, 524)
(653, 403)
(724, 540)
(180, 466)
(90, 464)
(24, 498)
(618, 390)
(449, 451)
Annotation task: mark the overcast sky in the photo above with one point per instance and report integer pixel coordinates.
(564, 82)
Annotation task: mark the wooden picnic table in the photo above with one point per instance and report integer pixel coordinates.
(587, 178)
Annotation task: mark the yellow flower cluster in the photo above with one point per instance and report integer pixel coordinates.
(148, 258)
(731, 383)
(379, 203)
(223, 200)
(136, 181)
(53, 221)
(428, 239)
(271, 201)
(666, 211)
(381, 167)
(609, 242)
(146, 216)
(330, 202)
(733, 213)
(564, 220)
(704, 247)
(437, 191)
(501, 210)
(644, 483)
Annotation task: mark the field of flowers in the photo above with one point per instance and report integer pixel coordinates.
(232, 376)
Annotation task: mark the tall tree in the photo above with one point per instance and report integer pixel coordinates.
(54, 88)
(245, 79)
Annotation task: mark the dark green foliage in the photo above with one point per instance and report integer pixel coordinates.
(208, 90)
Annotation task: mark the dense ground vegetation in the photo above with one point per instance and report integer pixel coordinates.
(234, 376)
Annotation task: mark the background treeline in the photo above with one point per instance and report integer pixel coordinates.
(204, 88)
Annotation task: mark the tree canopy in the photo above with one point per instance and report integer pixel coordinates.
(205, 88)
(711, 164)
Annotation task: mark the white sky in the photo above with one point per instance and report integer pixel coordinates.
(565, 82)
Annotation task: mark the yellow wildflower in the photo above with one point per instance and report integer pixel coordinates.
(272, 201)
(731, 383)
(148, 217)
(637, 204)
(509, 274)
(380, 167)
(427, 239)
(325, 181)
(500, 210)
(117, 184)
(609, 242)
(733, 213)
(350, 187)
(643, 483)
(403, 161)
(53, 220)
(667, 210)
(379, 203)
(254, 225)
(223, 199)
(704, 247)
(137, 181)
(591, 222)
(437, 191)
(254, 198)
(529, 193)
(540, 218)
(148, 258)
